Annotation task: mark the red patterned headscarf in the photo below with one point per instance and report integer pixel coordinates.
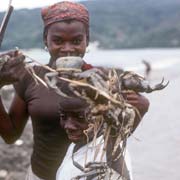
(65, 11)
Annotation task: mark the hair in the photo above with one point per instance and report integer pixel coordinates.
(72, 104)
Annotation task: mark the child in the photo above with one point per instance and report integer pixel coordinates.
(80, 152)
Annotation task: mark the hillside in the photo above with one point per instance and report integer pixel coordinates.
(114, 23)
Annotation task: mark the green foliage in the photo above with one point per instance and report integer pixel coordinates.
(114, 23)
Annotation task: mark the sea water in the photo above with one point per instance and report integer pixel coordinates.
(126, 59)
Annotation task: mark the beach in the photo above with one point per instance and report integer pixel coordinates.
(154, 146)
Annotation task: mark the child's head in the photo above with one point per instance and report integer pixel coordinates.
(73, 113)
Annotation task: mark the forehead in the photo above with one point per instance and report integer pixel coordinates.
(74, 110)
(67, 28)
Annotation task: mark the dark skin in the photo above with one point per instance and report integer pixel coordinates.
(12, 123)
(74, 123)
(66, 39)
(62, 39)
(15, 64)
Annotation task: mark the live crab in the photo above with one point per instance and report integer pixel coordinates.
(111, 113)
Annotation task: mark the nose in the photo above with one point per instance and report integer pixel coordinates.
(67, 48)
(69, 125)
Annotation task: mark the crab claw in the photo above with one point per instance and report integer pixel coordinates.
(157, 87)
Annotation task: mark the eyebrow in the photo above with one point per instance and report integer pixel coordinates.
(73, 36)
(79, 35)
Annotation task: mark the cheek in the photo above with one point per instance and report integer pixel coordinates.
(82, 49)
(62, 123)
(83, 126)
(53, 51)
(84, 44)
(50, 45)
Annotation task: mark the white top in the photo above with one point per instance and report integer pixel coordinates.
(67, 171)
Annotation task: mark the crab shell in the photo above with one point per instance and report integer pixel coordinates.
(75, 62)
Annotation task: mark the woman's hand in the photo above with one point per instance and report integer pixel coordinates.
(137, 100)
(12, 67)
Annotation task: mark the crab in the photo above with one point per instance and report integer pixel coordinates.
(137, 83)
(109, 112)
(93, 169)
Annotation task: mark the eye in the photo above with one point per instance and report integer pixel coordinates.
(62, 116)
(81, 117)
(77, 41)
(58, 40)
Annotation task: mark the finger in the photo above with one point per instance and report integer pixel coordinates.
(11, 53)
(130, 93)
(18, 60)
(14, 62)
(132, 102)
(129, 96)
(132, 96)
(8, 78)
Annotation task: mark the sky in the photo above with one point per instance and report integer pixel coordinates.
(18, 4)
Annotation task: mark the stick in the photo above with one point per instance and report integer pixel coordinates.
(5, 21)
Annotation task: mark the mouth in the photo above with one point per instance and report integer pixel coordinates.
(74, 137)
(70, 54)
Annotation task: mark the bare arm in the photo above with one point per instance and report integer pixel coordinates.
(13, 123)
(140, 102)
(12, 69)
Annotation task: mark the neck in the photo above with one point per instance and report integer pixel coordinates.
(51, 63)
(79, 145)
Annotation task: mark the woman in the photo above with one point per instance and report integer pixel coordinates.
(66, 33)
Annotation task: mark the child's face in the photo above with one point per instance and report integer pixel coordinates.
(74, 124)
(66, 39)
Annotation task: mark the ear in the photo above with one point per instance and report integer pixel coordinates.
(45, 37)
(45, 42)
(87, 40)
